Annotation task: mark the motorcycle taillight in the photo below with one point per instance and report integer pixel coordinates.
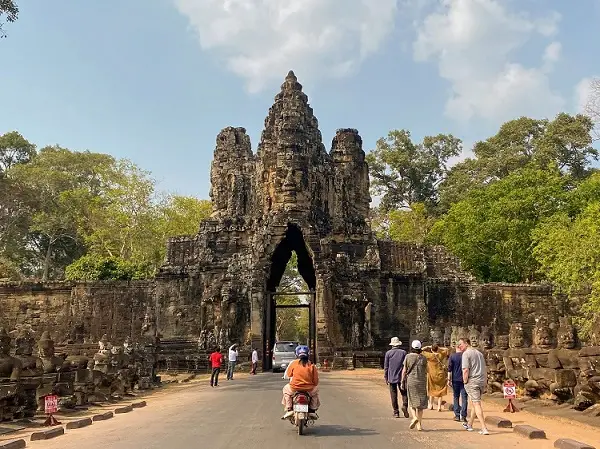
(302, 400)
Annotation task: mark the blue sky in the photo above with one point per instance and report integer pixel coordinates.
(154, 81)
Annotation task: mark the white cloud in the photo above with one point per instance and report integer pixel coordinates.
(260, 40)
(583, 95)
(473, 42)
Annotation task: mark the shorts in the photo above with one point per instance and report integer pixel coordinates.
(474, 391)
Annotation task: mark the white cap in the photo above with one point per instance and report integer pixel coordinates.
(416, 344)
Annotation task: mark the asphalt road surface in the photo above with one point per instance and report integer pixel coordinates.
(245, 413)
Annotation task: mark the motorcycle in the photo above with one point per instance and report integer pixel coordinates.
(301, 418)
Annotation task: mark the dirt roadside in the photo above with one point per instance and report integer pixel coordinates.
(555, 425)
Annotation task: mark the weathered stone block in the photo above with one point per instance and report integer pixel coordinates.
(530, 432)
(48, 434)
(102, 416)
(125, 409)
(79, 423)
(566, 443)
(498, 421)
(13, 444)
(139, 404)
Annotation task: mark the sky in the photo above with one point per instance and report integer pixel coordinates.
(154, 81)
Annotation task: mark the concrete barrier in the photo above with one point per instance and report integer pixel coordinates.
(79, 423)
(102, 416)
(566, 443)
(139, 404)
(498, 421)
(529, 432)
(13, 444)
(47, 434)
(121, 410)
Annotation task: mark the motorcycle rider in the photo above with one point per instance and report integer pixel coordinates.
(304, 377)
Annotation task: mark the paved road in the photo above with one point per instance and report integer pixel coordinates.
(244, 413)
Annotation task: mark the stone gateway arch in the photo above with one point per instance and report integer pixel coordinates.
(294, 195)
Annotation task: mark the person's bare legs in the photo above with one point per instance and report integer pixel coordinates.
(419, 419)
(414, 413)
(478, 410)
(439, 407)
(430, 404)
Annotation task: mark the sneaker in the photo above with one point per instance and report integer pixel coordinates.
(288, 414)
(456, 418)
(467, 427)
(484, 432)
(405, 412)
(396, 415)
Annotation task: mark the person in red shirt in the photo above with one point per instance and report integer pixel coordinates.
(216, 359)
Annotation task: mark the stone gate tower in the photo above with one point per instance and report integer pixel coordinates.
(292, 195)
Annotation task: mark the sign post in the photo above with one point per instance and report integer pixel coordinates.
(510, 393)
(51, 407)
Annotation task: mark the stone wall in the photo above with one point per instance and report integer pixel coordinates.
(68, 310)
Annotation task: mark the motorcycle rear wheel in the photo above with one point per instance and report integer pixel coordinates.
(301, 427)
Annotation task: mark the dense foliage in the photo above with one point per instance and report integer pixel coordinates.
(83, 215)
(524, 208)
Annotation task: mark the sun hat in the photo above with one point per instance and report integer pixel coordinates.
(395, 342)
(416, 344)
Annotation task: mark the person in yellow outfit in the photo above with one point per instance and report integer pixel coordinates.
(437, 368)
(304, 376)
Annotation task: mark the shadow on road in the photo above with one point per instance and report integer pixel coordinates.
(331, 430)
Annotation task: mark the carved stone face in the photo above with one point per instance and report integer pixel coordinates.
(543, 338)
(485, 338)
(474, 336)
(566, 337)
(502, 341)
(24, 345)
(437, 336)
(46, 348)
(516, 336)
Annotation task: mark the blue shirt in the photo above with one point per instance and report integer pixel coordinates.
(455, 367)
(392, 365)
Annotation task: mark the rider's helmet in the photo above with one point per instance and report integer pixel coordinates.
(302, 352)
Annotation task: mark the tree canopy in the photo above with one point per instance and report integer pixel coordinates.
(84, 215)
(524, 208)
(9, 9)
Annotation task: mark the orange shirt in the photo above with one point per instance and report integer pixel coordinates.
(304, 378)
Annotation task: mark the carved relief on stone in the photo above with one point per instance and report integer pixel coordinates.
(474, 336)
(10, 367)
(437, 336)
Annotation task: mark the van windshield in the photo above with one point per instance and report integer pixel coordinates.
(285, 347)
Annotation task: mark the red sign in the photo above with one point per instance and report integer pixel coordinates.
(51, 404)
(510, 390)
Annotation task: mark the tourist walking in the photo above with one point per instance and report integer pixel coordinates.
(254, 361)
(216, 359)
(437, 366)
(475, 380)
(392, 371)
(455, 381)
(414, 380)
(232, 360)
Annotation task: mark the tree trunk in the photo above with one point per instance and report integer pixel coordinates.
(47, 261)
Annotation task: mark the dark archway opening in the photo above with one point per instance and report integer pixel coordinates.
(293, 242)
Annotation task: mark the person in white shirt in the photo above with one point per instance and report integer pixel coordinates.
(254, 361)
(232, 360)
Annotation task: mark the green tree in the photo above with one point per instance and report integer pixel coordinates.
(292, 323)
(567, 248)
(565, 142)
(406, 173)
(93, 268)
(491, 229)
(9, 9)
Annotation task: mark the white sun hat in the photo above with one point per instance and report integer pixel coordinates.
(395, 342)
